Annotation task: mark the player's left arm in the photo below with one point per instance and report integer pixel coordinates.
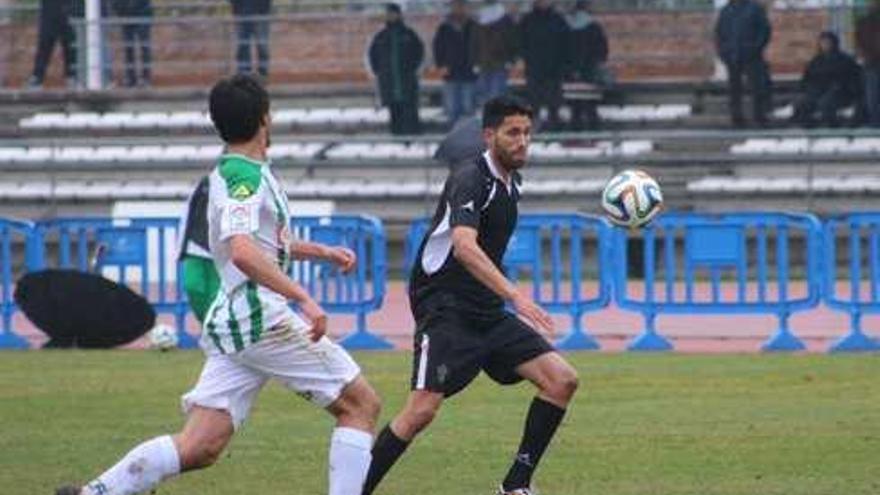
(341, 256)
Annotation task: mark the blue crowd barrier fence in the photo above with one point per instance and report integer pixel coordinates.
(140, 253)
(752, 252)
(357, 293)
(860, 260)
(553, 253)
(12, 233)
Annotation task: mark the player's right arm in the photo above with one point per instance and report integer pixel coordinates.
(247, 257)
(469, 253)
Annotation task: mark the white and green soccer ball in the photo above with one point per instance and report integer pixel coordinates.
(631, 199)
(162, 337)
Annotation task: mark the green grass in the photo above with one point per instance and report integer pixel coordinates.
(656, 424)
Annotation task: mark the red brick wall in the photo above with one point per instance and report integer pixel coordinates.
(658, 45)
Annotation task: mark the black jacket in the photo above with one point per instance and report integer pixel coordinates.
(742, 32)
(588, 49)
(834, 70)
(396, 53)
(251, 7)
(544, 41)
(133, 8)
(452, 49)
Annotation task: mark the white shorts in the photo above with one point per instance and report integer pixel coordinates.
(317, 371)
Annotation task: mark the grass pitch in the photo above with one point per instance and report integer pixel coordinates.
(641, 424)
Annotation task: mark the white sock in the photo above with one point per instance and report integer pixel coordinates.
(349, 460)
(140, 470)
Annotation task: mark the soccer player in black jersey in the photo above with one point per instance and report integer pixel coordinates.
(457, 295)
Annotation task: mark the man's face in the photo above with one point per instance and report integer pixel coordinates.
(459, 10)
(825, 45)
(392, 17)
(509, 143)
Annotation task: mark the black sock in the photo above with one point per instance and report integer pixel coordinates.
(541, 424)
(387, 449)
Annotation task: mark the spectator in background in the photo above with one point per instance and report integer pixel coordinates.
(136, 25)
(588, 53)
(868, 44)
(741, 35)
(252, 23)
(396, 54)
(452, 55)
(55, 27)
(544, 35)
(495, 46)
(830, 82)
(5, 49)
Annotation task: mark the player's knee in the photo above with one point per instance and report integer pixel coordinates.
(370, 405)
(201, 455)
(564, 385)
(418, 417)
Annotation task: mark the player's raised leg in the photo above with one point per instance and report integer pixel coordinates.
(557, 382)
(420, 409)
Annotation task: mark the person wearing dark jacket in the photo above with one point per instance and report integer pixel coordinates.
(741, 35)
(830, 82)
(395, 55)
(495, 47)
(588, 53)
(136, 25)
(453, 56)
(868, 44)
(544, 35)
(55, 27)
(252, 23)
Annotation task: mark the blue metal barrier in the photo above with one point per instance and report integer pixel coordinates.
(358, 293)
(553, 250)
(12, 233)
(858, 230)
(139, 253)
(737, 246)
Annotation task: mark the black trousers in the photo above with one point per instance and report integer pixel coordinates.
(405, 117)
(137, 35)
(828, 103)
(55, 28)
(758, 74)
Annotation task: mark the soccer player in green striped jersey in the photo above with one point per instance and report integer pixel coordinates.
(250, 335)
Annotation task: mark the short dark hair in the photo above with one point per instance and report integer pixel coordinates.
(499, 108)
(237, 105)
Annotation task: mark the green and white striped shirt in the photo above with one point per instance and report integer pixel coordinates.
(245, 199)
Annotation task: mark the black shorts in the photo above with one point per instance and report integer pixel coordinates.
(451, 346)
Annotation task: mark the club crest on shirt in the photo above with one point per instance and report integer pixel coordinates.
(240, 217)
(242, 191)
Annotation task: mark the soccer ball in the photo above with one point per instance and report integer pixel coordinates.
(631, 199)
(163, 337)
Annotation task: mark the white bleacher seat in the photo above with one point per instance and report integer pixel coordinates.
(13, 154)
(289, 116)
(636, 147)
(112, 120)
(208, 152)
(147, 120)
(349, 151)
(36, 154)
(145, 153)
(864, 145)
(111, 153)
(178, 153)
(43, 120)
(322, 116)
(75, 154)
(824, 146)
(188, 119)
(432, 114)
(753, 146)
(791, 146)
